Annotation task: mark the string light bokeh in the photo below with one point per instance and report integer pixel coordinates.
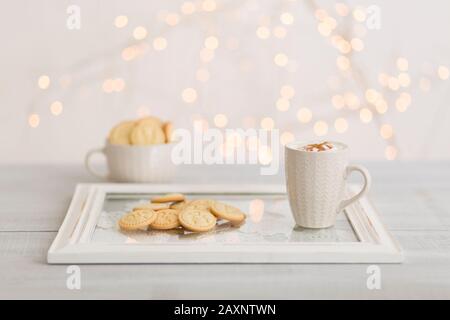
(352, 94)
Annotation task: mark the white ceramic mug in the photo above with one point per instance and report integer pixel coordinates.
(135, 163)
(316, 183)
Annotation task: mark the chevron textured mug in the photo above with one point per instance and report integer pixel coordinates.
(316, 175)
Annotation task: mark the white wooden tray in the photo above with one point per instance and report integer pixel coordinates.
(89, 233)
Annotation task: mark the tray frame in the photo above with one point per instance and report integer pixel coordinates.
(71, 244)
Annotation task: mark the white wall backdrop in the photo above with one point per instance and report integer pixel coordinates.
(244, 79)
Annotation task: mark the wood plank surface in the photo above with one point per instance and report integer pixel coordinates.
(412, 198)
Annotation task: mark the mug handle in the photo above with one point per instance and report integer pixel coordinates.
(367, 182)
(87, 163)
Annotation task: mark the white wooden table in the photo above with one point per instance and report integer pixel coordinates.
(413, 200)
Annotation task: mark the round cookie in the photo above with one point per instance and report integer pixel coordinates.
(165, 220)
(180, 205)
(150, 121)
(171, 197)
(146, 134)
(204, 204)
(197, 220)
(152, 206)
(227, 212)
(137, 219)
(120, 134)
(168, 129)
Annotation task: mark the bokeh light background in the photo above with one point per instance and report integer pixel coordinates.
(309, 68)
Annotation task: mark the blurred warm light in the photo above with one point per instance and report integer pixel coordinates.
(140, 33)
(202, 75)
(283, 104)
(279, 32)
(44, 82)
(402, 64)
(443, 72)
(338, 101)
(187, 8)
(390, 152)
(343, 63)
(267, 123)
(321, 14)
(34, 120)
(344, 46)
(281, 60)
(359, 14)
(341, 125)
(211, 43)
(330, 22)
(118, 84)
(286, 137)
(265, 155)
(256, 210)
(220, 120)
(287, 18)
(372, 96)
(357, 44)
(209, 5)
(108, 86)
(425, 84)
(129, 53)
(383, 79)
(381, 106)
(342, 9)
(320, 128)
(56, 108)
(189, 95)
(393, 84)
(159, 43)
(304, 115)
(324, 29)
(172, 19)
(365, 115)
(206, 55)
(403, 101)
(386, 131)
(404, 80)
(121, 21)
(351, 100)
(287, 91)
(263, 32)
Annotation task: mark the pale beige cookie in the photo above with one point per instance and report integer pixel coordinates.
(121, 133)
(204, 204)
(153, 206)
(197, 220)
(227, 212)
(180, 205)
(171, 197)
(150, 121)
(168, 128)
(147, 134)
(165, 220)
(137, 219)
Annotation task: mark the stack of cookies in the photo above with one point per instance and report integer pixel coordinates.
(174, 211)
(142, 132)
